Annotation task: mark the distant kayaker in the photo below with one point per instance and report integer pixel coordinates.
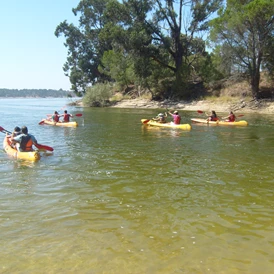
(66, 116)
(231, 117)
(213, 116)
(176, 117)
(161, 118)
(55, 117)
(25, 140)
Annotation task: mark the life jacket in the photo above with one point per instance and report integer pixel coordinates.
(231, 118)
(214, 118)
(55, 118)
(66, 117)
(177, 119)
(26, 143)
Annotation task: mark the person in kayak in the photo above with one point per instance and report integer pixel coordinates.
(176, 117)
(230, 118)
(25, 140)
(66, 116)
(16, 132)
(161, 118)
(55, 117)
(213, 116)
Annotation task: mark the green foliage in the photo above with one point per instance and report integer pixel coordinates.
(98, 95)
(117, 67)
(84, 48)
(134, 30)
(156, 45)
(244, 31)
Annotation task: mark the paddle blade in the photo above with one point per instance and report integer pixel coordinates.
(4, 130)
(39, 146)
(241, 115)
(79, 114)
(200, 111)
(145, 121)
(41, 122)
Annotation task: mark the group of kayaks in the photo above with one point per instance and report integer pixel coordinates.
(149, 122)
(36, 154)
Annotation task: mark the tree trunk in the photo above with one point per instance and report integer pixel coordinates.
(255, 77)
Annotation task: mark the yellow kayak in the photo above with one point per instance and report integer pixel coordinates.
(168, 125)
(219, 123)
(30, 155)
(59, 124)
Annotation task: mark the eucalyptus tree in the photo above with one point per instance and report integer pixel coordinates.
(84, 48)
(165, 32)
(246, 27)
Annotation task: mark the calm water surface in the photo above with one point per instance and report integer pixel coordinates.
(119, 197)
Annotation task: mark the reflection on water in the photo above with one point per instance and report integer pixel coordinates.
(120, 197)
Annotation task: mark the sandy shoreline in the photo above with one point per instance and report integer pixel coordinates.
(262, 106)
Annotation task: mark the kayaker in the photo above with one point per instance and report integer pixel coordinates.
(16, 132)
(55, 117)
(213, 116)
(176, 117)
(25, 140)
(230, 118)
(161, 118)
(66, 116)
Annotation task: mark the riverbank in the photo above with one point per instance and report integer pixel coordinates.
(245, 106)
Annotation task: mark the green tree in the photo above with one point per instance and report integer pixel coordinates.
(245, 28)
(154, 31)
(84, 48)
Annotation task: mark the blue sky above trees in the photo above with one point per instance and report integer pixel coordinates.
(31, 55)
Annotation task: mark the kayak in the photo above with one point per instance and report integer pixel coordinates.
(168, 125)
(29, 155)
(220, 123)
(60, 124)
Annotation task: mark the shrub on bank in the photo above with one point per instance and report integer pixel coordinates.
(98, 95)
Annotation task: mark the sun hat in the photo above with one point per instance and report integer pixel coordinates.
(175, 112)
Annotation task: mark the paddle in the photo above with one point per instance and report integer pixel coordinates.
(39, 146)
(145, 121)
(4, 130)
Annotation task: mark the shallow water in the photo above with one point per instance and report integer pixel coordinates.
(119, 197)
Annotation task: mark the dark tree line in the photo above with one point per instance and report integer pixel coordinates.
(39, 93)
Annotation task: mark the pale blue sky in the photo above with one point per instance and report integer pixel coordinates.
(31, 56)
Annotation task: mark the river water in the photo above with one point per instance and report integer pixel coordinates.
(120, 197)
